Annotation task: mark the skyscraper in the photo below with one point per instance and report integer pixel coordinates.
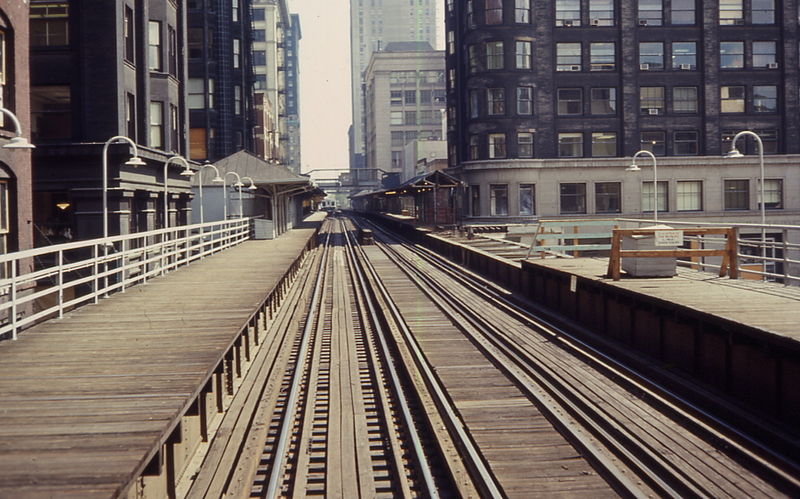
(373, 25)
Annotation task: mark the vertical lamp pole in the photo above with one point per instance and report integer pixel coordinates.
(238, 185)
(251, 187)
(635, 168)
(217, 179)
(187, 172)
(135, 160)
(734, 153)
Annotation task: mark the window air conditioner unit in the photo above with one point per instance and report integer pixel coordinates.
(772, 65)
(642, 22)
(644, 67)
(566, 22)
(686, 66)
(653, 111)
(574, 68)
(595, 22)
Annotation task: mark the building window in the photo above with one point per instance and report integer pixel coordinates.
(731, 55)
(237, 99)
(397, 139)
(472, 50)
(570, 145)
(451, 42)
(128, 34)
(731, 99)
(765, 99)
(762, 11)
(410, 118)
(689, 195)
(685, 143)
(764, 55)
(156, 125)
(475, 200)
(174, 123)
(568, 56)
(258, 14)
(498, 199)
(748, 145)
(570, 101)
(194, 43)
(237, 53)
(494, 11)
(235, 10)
(425, 97)
(601, 56)
(573, 198)
(410, 97)
(651, 13)
(197, 144)
(523, 55)
(684, 99)
(396, 118)
(522, 11)
(474, 103)
(196, 91)
(684, 55)
(601, 12)
(647, 196)
(731, 12)
(497, 145)
(525, 101)
(651, 56)
(604, 144)
(568, 13)
(259, 58)
(130, 116)
(682, 12)
(773, 194)
(604, 101)
(396, 97)
(470, 14)
(653, 141)
(173, 51)
(524, 145)
(737, 194)
(210, 94)
(496, 101)
(494, 55)
(51, 112)
(154, 57)
(607, 197)
(49, 24)
(651, 100)
(769, 138)
(473, 147)
(527, 199)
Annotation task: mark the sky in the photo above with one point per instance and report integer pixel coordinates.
(325, 111)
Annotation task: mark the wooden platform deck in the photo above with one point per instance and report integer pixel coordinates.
(769, 307)
(88, 400)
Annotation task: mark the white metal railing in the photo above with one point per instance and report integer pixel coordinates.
(777, 259)
(45, 282)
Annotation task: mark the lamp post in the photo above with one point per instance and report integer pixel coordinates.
(135, 160)
(187, 172)
(238, 185)
(734, 153)
(18, 142)
(635, 168)
(217, 179)
(251, 187)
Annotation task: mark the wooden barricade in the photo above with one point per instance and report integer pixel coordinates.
(729, 265)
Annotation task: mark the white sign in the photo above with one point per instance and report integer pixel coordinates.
(669, 238)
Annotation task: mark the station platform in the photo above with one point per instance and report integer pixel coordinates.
(90, 402)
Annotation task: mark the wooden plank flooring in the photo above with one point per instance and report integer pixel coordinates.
(770, 307)
(86, 399)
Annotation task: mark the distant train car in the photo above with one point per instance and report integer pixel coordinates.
(328, 205)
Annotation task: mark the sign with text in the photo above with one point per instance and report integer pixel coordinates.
(669, 238)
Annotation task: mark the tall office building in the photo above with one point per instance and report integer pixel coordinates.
(545, 101)
(100, 70)
(292, 58)
(373, 25)
(220, 77)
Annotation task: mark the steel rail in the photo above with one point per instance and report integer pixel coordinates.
(278, 464)
(419, 451)
(712, 426)
(485, 479)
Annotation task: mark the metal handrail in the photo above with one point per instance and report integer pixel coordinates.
(73, 274)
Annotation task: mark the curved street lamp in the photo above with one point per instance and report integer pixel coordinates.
(18, 142)
(635, 168)
(217, 179)
(238, 185)
(734, 153)
(135, 160)
(187, 172)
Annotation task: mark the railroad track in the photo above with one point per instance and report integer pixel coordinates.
(641, 440)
